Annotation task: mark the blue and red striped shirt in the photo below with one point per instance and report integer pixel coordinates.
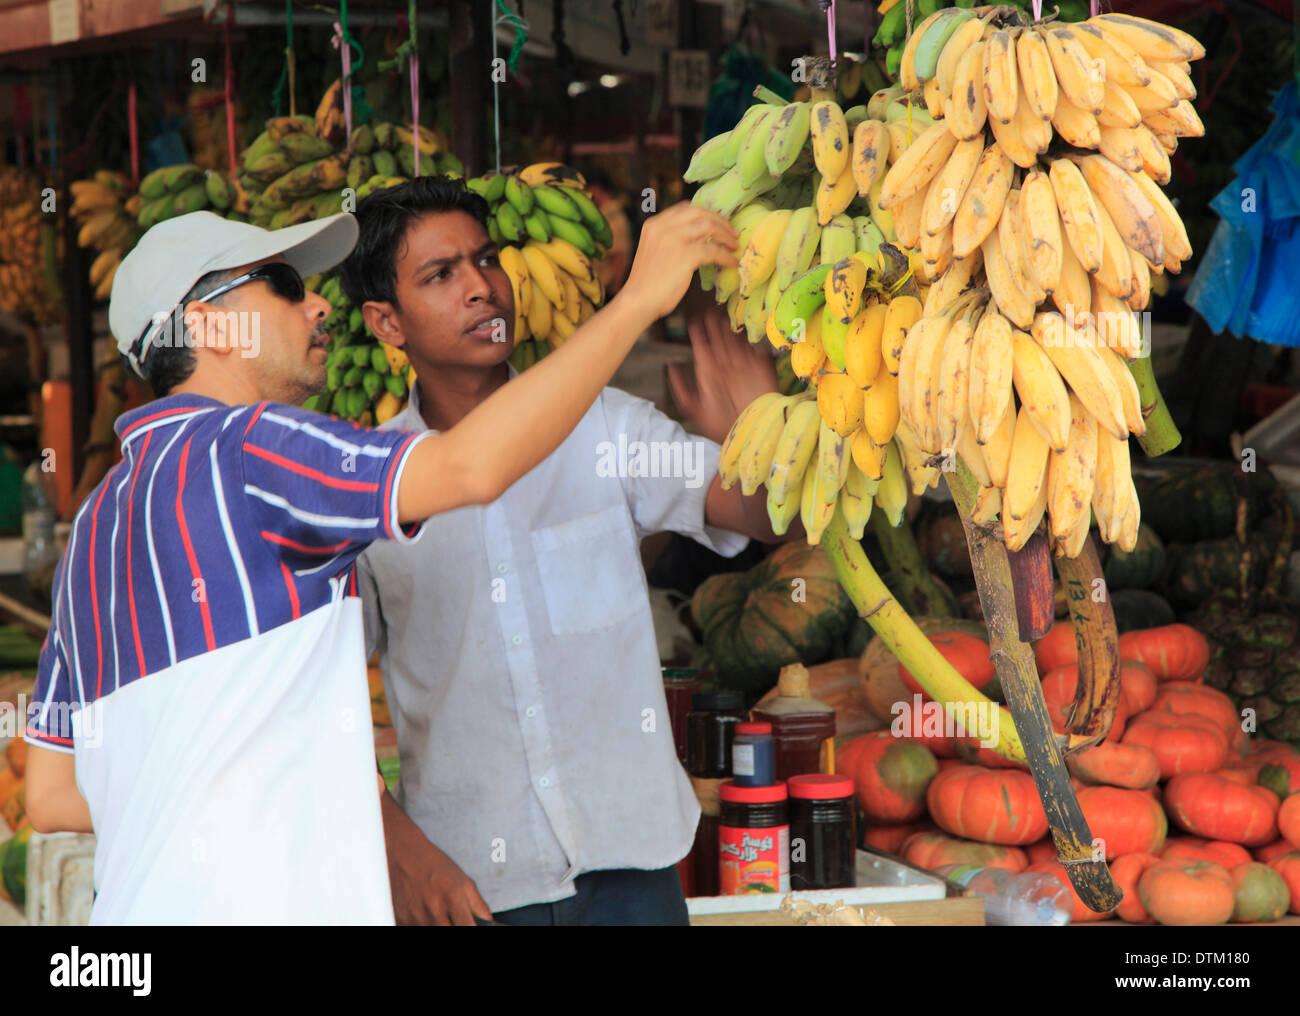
(220, 523)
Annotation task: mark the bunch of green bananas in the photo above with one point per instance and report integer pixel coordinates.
(548, 230)
(183, 188)
(296, 175)
(856, 73)
(366, 380)
(891, 34)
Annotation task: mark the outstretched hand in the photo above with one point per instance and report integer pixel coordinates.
(729, 374)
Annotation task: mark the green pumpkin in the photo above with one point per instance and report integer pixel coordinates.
(788, 608)
(1136, 609)
(1201, 570)
(13, 865)
(1262, 894)
(1142, 567)
(1186, 503)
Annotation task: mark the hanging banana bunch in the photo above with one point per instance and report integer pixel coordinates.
(1034, 201)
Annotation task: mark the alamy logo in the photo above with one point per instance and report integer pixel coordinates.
(74, 969)
(233, 329)
(657, 459)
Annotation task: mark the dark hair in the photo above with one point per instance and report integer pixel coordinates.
(168, 364)
(370, 272)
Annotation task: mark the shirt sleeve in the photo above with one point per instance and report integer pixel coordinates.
(319, 486)
(49, 713)
(665, 472)
(371, 612)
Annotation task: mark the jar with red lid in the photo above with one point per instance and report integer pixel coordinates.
(823, 844)
(753, 840)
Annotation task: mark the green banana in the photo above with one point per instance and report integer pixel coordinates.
(384, 137)
(218, 191)
(741, 131)
(574, 233)
(496, 188)
(869, 236)
(363, 140)
(520, 195)
(538, 225)
(360, 354)
(833, 333)
(395, 385)
(838, 240)
(556, 202)
(378, 361)
(926, 58)
(352, 376)
(591, 215)
(360, 169)
(786, 137)
(372, 382)
(510, 223)
(798, 245)
(302, 147)
(191, 199)
(751, 161)
(385, 162)
(708, 162)
(799, 301)
(270, 167)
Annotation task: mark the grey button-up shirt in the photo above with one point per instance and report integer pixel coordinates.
(520, 665)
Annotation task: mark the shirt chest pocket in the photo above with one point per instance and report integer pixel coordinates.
(590, 571)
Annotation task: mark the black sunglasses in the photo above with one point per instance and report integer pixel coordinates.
(283, 279)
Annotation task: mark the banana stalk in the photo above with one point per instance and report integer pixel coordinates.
(1162, 433)
(877, 605)
(919, 593)
(1018, 676)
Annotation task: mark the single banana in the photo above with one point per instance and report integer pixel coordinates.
(917, 166)
(1042, 392)
(1071, 474)
(1075, 125)
(1116, 272)
(1130, 399)
(833, 458)
(870, 154)
(946, 192)
(1040, 231)
(1130, 208)
(758, 260)
(1015, 304)
(973, 455)
(1075, 354)
(957, 280)
(901, 313)
(1079, 80)
(798, 245)
(1001, 76)
(997, 449)
(1119, 109)
(738, 436)
(1025, 497)
(951, 408)
(967, 110)
(1150, 39)
(1074, 200)
(880, 407)
(862, 345)
(760, 446)
(1074, 286)
(844, 287)
(841, 402)
(991, 360)
(835, 195)
(814, 511)
(856, 500)
(1037, 76)
(891, 495)
(781, 513)
(786, 137)
(830, 139)
(981, 205)
(794, 450)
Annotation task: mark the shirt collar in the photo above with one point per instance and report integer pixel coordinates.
(159, 409)
(412, 419)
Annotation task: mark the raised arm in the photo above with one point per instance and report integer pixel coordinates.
(522, 423)
(54, 803)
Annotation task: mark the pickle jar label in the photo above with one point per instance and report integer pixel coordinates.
(753, 860)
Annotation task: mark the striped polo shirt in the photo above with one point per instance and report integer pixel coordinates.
(206, 644)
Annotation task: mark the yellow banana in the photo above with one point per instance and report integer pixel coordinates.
(997, 449)
(869, 457)
(781, 513)
(1117, 327)
(1014, 303)
(917, 166)
(1180, 120)
(1173, 233)
(1040, 231)
(1150, 39)
(760, 445)
(973, 455)
(1120, 145)
(880, 407)
(1076, 126)
(862, 345)
(901, 313)
(758, 260)
(807, 356)
(907, 219)
(1155, 160)
(990, 382)
(945, 193)
(833, 458)
(1141, 293)
(981, 205)
(1123, 197)
(1075, 354)
(952, 283)
(950, 410)
(734, 443)
(1122, 65)
(840, 400)
(1001, 76)
(1116, 272)
(870, 157)
(815, 513)
(855, 500)
(794, 450)
(1038, 85)
(1025, 496)
(1119, 109)
(1071, 474)
(1041, 389)
(798, 245)
(1079, 79)
(830, 139)
(844, 287)
(1074, 285)
(1130, 399)
(833, 196)
(936, 254)
(1012, 243)
(967, 110)
(1078, 211)
(543, 273)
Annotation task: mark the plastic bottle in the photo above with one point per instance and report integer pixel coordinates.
(39, 548)
(800, 723)
(1030, 899)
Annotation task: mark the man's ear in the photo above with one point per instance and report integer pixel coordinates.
(210, 327)
(382, 320)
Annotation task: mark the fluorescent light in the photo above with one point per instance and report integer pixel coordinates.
(611, 80)
(576, 88)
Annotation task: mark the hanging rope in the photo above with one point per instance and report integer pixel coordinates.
(521, 33)
(230, 90)
(133, 131)
(287, 71)
(512, 61)
(1038, 9)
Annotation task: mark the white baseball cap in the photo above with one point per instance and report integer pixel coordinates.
(175, 254)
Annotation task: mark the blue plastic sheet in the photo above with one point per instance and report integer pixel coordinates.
(1248, 281)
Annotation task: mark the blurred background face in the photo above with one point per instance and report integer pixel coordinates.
(455, 304)
(279, 343)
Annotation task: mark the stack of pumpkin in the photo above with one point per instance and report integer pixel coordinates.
(13, 851)
(1179, 759)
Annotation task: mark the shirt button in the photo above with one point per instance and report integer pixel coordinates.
(517, 640)
(530, 711)
(502, 567)
(545, 781)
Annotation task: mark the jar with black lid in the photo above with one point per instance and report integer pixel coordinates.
(823, 851)
(710, 727)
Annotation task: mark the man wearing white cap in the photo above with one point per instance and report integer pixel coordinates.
(201, 703)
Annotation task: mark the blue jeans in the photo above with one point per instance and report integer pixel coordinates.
(625, 896)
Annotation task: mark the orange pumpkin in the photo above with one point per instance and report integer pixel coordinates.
(1137, 684)
(1290, 765)
(1288, 866)
(1261, 893)
(1183, 742)
(1270, 851)
(1175, 652)
(1126, 870)
(1059, 686)
(1288, 820)
(1187, 892)
(1041, 850)
(1206, 804)
(1238, 776)
(890, 776)
(934, 850)
(1057, 648)
(1132, 766)
(837, 684)
(1183, 697)
(890, 838)
(1126, 821)
(993, 806)
(1191, 848)
(1078, 911)
(968, 655)
(16, 754)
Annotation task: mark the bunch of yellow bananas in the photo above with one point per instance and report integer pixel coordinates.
(1009, 207)
(29, 249)
(106, 211)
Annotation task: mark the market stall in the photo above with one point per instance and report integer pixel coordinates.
(1025, 657)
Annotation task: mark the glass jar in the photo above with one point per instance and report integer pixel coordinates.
(710, 727)
(823, 852)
